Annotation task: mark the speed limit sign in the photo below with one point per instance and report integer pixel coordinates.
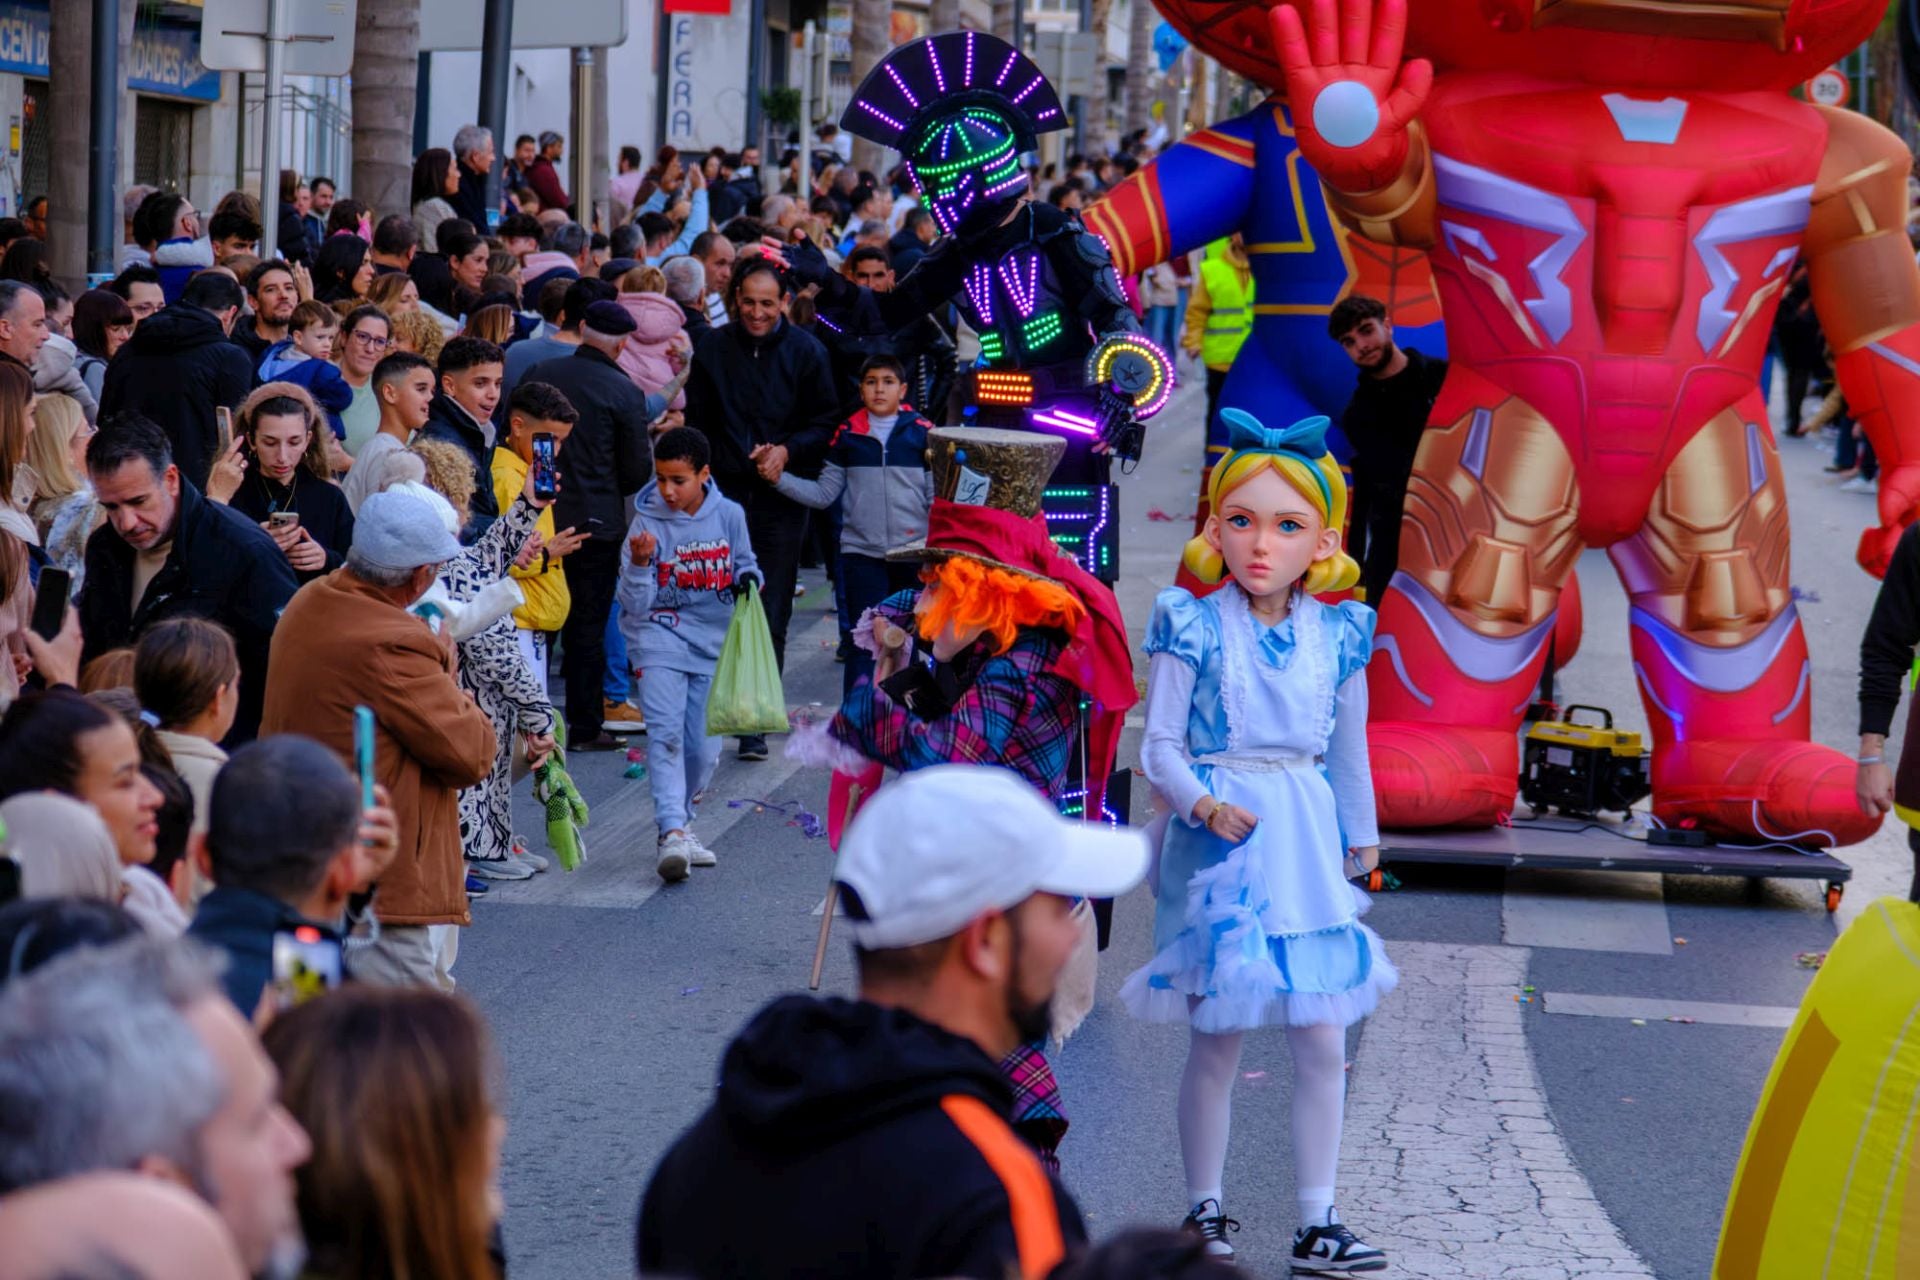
(1829, 88)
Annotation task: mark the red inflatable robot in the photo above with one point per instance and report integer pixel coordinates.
(1613, 193)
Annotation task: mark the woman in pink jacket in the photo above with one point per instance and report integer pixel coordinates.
(649, 354)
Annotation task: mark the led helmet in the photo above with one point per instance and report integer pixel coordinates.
(961, 108)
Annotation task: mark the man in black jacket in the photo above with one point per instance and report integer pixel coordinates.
(167, 552)
(179, 366)
(470, 372)
(870, 1138)
(274, 293)
(1383, 423)
(286, 846)
(609, 456)
(473, 155)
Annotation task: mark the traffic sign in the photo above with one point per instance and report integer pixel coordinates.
(318, 38)
(1830, 88)
(576, 24)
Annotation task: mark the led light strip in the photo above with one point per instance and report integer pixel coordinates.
(1025, 296)
(872, 110)
(1041, 329)
(894, 73)
(1100, 369)
(933, 56)
(1003, 388)
(1065, 421)
(967, 82)
(980, 289)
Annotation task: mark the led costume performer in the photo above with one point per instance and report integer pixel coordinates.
(1245, 174)
(1060, 350)
(1256, 746)
(1612, 193)
(991, 663)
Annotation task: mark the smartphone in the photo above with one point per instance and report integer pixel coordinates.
(223, 427)
(363, 752)
(306, 964)
(280, 520)
(50, 602)
(546, 481)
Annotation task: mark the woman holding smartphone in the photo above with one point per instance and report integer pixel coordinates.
(277, 474)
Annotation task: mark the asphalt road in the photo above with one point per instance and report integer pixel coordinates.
(612, 998)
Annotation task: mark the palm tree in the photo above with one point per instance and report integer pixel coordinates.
(872, 22)
(70, 82)
(1096, 106)
(386, 58)
(943, 15)
(1139, 64)
(1002, 11)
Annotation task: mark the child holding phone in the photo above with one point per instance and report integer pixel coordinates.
(536, 409)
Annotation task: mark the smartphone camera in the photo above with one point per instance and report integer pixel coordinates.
(546, 478)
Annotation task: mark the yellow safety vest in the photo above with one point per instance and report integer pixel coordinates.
(1231, 319)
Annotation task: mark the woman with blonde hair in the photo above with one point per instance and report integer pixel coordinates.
(64, 510)
(493, 322)
(394, 293)
(420, 333)
(391, 1085)
(286, 482)
(16, 477)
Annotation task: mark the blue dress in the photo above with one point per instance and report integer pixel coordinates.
(1271, 720)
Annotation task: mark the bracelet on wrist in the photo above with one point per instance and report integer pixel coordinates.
(1871, 760)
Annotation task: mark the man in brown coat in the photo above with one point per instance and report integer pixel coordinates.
(348, 640)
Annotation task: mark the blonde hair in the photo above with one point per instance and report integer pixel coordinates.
(50, 446)
(449, 473)
(1339, 570)
(643, 279)
(420, 333)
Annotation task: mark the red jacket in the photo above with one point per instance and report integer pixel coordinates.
(546, 184)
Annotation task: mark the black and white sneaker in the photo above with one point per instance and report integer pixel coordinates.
(1333, 1250)
(1208, 1221)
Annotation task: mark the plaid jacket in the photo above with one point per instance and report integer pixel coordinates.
(1018, 714)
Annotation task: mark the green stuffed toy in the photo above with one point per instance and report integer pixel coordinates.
(566, 808)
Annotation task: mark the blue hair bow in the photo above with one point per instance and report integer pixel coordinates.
(1305, 440)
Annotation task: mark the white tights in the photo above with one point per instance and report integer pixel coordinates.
(1319, 1100)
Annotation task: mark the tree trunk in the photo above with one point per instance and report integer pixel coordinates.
(1097, 131)
(1003, 19)
(70, 79)
(872, 38)
(943, 15)
(1201, 72)
(386, 64)
(1140, 16)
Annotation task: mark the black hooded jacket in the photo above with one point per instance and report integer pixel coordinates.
(858, 1141)
(177, 368)
(747, 391)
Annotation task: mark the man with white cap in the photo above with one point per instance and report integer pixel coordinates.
(349, 640)
(870, 1138)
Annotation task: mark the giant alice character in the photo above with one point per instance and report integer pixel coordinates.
(1245, 174)
(1060, 350)
(1256, 746)
(1612, 194)
(991, 662)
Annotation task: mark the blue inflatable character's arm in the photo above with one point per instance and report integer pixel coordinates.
(1199, 190)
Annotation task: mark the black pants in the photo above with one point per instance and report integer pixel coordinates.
(868, 581)
(1381, 553)
(776, 525)
(1798, 376)
(1216, 433)
(593, 575)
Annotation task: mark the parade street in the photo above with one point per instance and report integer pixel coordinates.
(1558, 1089)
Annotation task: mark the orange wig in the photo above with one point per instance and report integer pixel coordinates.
(998, 602)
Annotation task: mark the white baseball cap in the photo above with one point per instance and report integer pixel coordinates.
(940, 847)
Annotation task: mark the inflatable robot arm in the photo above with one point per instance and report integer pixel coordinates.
(1866, 292)
(1198, 191)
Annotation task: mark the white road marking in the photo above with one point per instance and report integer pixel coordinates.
(1587, 911)
(1657, 1010)
(1451, 1162)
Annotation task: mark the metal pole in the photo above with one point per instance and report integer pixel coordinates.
(496, 71)
(270, 128)
(582, 141)
(103, 227)
(422, 94)
(1020, 25)
(806, 99)
(756, 68)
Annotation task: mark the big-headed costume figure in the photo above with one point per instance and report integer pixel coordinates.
(1060, 349)
(1612, 194)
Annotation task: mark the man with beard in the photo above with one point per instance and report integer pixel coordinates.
(1382, 423)
(961, 930)
(271, 288)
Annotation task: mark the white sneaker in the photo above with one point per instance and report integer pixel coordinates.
(508, 868)
(698, 854)
(1860, 484)
(676, 855)
(538, 861)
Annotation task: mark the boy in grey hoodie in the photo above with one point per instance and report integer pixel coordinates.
(688, 557)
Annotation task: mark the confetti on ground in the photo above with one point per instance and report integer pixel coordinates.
(687, 991)
(1158, 516)
(1639, 1022)
(810, 824)
(1810, 959)
(1254, 1075)
(1685, 1022)
(1679, 942)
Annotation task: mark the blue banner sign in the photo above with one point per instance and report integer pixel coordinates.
(163, 59)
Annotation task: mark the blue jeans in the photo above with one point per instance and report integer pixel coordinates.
(1160, 322)
(680, 755)
(868, 581)
(618, 684)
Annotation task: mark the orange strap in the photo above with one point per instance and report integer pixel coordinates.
(1036, 1218)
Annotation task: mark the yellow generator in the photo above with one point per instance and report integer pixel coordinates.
(1583, 768)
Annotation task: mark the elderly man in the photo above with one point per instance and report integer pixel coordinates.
(959, 883)
(716, 254)
(129, 1057)
(609, 457)
(473, 157)
(166, 552)
(179, 367)
(351, 640)
(23, 322)
(687, 285)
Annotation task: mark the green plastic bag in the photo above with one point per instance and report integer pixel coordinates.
(746, 697)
